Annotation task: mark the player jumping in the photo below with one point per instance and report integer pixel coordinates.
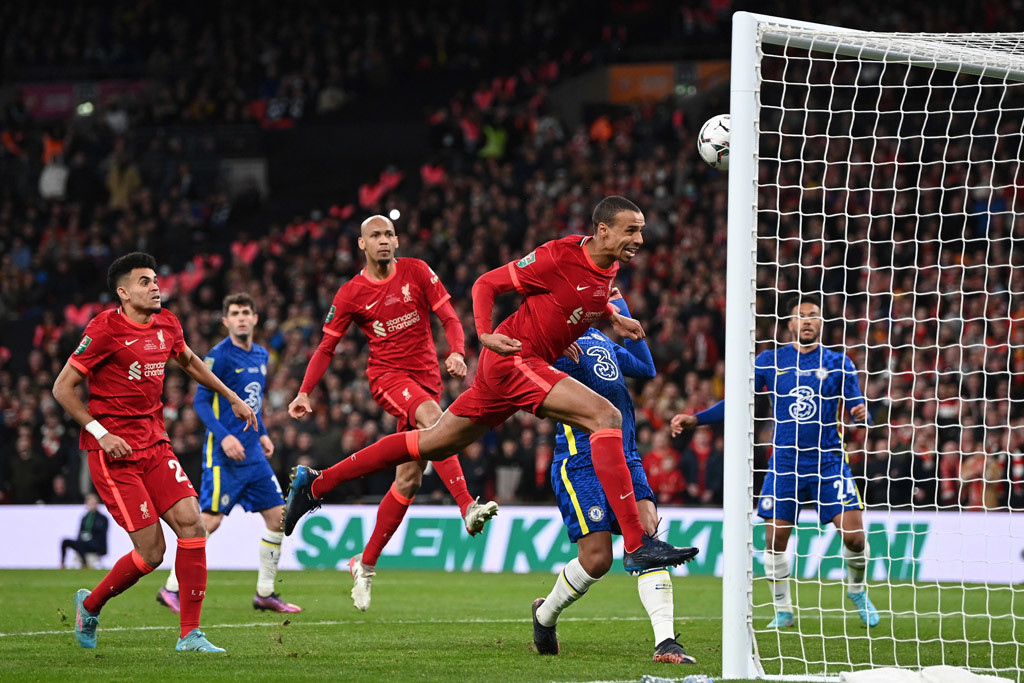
(391, 300)
(808, 385)
(565, 285)
(235, 467)
(589, 519)
(137, 475)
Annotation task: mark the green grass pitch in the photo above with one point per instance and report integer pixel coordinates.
(434, 626)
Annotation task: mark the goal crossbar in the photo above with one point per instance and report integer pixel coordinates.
(941, 51)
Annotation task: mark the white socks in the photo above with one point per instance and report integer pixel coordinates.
(655, 587)
(856, 568)
(569, 587)
(270, 555)
(776, 570)
(172, 582)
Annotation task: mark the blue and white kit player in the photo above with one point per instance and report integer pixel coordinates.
(809, 385)
(235, 462)
(589, 520)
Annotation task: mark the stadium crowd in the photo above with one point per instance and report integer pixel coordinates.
(507, 173)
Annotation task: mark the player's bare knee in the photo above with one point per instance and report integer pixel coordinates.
(607, 417)
(855, 541)
(597, 564)
(408, 481)
(427, 415)
(152, 552)
(192, 528)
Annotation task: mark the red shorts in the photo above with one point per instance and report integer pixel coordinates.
(401, 394)
(137, 491)
(505, 385)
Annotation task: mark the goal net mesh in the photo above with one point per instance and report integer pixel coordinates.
(889, 183)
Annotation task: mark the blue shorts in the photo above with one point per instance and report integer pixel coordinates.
(254, 487)
(581, 499)
(829, 486)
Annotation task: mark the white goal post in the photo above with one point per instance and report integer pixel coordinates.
(883, 173)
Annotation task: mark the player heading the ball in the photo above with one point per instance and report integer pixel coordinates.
(565, 285)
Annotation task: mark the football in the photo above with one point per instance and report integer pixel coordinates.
(713, 142)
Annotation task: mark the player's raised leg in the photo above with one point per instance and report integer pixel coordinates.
(572, 403)
(448, 436)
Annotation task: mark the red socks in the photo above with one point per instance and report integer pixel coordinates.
(386, 454)
(389, 516)
(125, 573)
(450, 471)
(613, 473)
(190, 566)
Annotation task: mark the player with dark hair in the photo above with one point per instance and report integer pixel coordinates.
(565, 285)
(590, 521)
(123, 353)
(235, 467)
(809, 385)
(391, 300)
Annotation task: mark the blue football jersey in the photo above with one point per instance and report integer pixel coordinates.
(808, 392)
(603, 367)
(245, 373)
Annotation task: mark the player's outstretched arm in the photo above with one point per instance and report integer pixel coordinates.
(682, 421)
(626, 327)
(198, 370)
(65, 390)
(318, 364)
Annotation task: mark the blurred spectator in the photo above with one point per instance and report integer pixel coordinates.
(662, 467)
(701, 466)
(91, 543)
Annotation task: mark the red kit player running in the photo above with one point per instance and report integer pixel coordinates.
(391, 301)
(565, 286)
(136, 473)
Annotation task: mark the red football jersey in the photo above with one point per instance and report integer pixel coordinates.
(124, 362)
(394, 314)
(564, 292)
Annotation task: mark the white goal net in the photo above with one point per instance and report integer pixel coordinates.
(881, 173)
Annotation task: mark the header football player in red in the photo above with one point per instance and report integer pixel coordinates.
(565, 285)
(137, 475)
(391, 300)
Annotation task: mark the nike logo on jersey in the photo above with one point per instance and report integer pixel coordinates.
(626, 496)
(781, 372)
(238, 370)
(369, 306)
(129, 343)
(581, 288)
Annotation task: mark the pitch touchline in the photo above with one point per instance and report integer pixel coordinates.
(365, 621)
(342, 623)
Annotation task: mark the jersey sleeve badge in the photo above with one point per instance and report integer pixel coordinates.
(83, 345)
(330, 314)
(527, 260)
